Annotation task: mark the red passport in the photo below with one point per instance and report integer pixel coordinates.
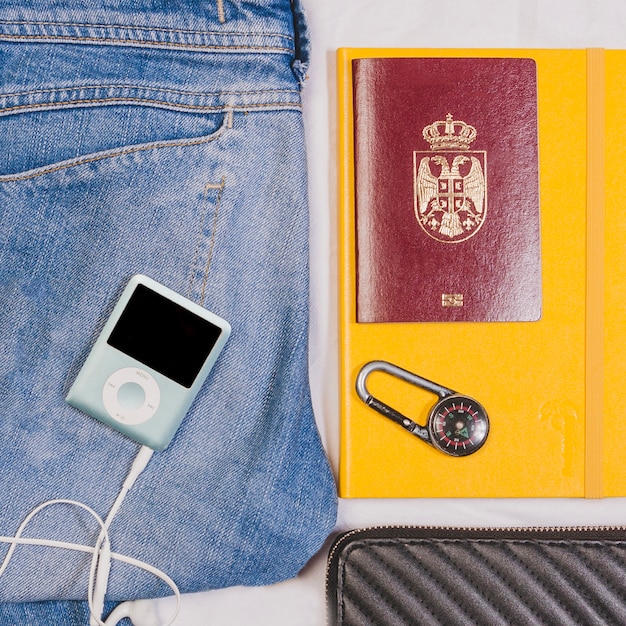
(446, 186)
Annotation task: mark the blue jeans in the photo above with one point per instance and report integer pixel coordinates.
(162, 138)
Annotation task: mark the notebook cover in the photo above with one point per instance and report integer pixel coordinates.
(447, 203)
(553, 388)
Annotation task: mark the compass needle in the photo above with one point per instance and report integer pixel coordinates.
(462, 421)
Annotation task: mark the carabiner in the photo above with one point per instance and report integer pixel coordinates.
(457, 425)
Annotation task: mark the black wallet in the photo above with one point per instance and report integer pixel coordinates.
(413, 576)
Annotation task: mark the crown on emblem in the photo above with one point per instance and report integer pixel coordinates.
(457, 135)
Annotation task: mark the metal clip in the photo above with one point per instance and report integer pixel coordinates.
(457, 425)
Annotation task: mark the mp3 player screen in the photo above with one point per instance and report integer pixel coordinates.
(164, 335)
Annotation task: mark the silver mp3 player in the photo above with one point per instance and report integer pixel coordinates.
(149, 362)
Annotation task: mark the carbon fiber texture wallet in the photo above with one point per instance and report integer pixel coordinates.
(410, 576)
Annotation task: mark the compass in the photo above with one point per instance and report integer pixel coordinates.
(457, 425)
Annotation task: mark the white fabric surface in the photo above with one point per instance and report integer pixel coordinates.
(399, 23)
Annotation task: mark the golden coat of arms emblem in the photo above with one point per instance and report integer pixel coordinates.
(450, 185)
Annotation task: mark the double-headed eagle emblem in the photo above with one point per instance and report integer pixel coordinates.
(450, 186)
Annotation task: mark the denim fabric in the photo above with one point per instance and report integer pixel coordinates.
(65, 613)
(162, 138)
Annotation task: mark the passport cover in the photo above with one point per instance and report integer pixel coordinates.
(553, 388)
(447, 201)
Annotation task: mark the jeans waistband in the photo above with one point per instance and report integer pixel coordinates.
(188, 55)
(212, 25)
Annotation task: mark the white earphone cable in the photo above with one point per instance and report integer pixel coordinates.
(101, 563)
(102, 554)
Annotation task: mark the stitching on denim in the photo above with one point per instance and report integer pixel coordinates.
(110, 155)
(221, 16)
(165, 103)
(145, 43)
(228, 123)
(218, 201)
(196, 253)
(179, 92)
(149, 29)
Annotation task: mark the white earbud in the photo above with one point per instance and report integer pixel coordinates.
(140, 613)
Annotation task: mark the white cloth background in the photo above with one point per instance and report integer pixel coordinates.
(398, 23)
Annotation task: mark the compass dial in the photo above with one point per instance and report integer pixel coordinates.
(458, 425)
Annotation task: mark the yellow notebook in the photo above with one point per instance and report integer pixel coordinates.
(549, 368)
